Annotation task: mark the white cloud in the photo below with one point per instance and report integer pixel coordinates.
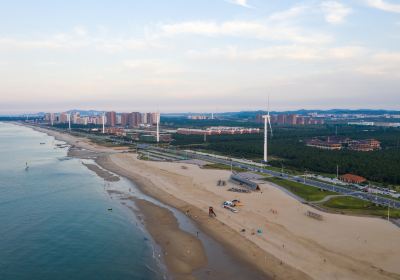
(385, 64)
(152, 66)
(245, 29)
(383, 5)
(335, 12)
(57, 42)
(77, 39)
(288, 52)
(242, 3)
(287, 14)
(80, 31)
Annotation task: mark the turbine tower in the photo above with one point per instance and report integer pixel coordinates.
(103, 122)
(158, 127)
(69, 121)
(267, 122)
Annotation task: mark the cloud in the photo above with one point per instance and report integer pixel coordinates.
(77, 39)
(335, 12)
(383, 5)
(287, 14)
(382, 64)
(245, 29)
(152, 66)
(242, 3)
(56, 42)
(287, 52)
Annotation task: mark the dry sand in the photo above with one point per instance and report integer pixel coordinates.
(291, 245)
(339, 247)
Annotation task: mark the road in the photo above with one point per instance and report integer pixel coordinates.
(321, 185)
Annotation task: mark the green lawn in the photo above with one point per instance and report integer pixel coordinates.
(352, 205)
(306, 192)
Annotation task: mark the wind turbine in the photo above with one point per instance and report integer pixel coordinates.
(267, 122)
(158, 127)
(69, 121)
(103, 122)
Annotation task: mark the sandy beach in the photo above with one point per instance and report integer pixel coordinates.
(271, 231)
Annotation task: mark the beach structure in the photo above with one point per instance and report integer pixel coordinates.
(211, 212)
(244, 182)
(314, 215)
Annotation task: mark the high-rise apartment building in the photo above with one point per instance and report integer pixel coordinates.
(135, 119)
(111, 118)
(63, 117)
(291, 119)
(125, 119)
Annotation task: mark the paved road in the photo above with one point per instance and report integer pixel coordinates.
(325, 186)
(328, 197)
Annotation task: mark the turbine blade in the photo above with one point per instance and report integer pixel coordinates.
(270, 126)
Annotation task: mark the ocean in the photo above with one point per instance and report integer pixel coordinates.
(54, 217)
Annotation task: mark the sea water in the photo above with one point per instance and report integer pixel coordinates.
(55, 221)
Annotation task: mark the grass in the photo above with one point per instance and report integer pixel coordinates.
(352, 205)
(308, 193)
(222, 167)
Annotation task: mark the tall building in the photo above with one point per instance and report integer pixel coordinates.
(154, 117)
(291, 119)
(119, 119)
(111, 118)
(135, 119)
(300, 120)
(75, 117)
(259, 118)
(281, 119)
(143, 117)
(149, 117)
(125, 119)
(63, 117)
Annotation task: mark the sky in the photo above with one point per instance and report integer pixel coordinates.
(198, 55)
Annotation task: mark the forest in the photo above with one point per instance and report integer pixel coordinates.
(287, 147)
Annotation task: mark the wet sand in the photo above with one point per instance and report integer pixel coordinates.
(183, 252)
(106, 175)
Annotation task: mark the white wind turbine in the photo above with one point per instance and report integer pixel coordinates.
(267, 122)
(69, 121)
(103, 120)
(158, 126)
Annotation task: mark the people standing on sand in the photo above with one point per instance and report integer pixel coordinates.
(211, 212)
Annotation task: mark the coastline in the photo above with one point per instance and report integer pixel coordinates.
(181, 267)
(261, 252)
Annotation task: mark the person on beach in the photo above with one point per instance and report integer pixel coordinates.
(211, 212)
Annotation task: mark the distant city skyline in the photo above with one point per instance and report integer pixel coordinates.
(199, 56)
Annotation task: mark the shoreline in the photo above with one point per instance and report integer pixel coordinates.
(336, 250)
(180, 268)
(244, 251)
